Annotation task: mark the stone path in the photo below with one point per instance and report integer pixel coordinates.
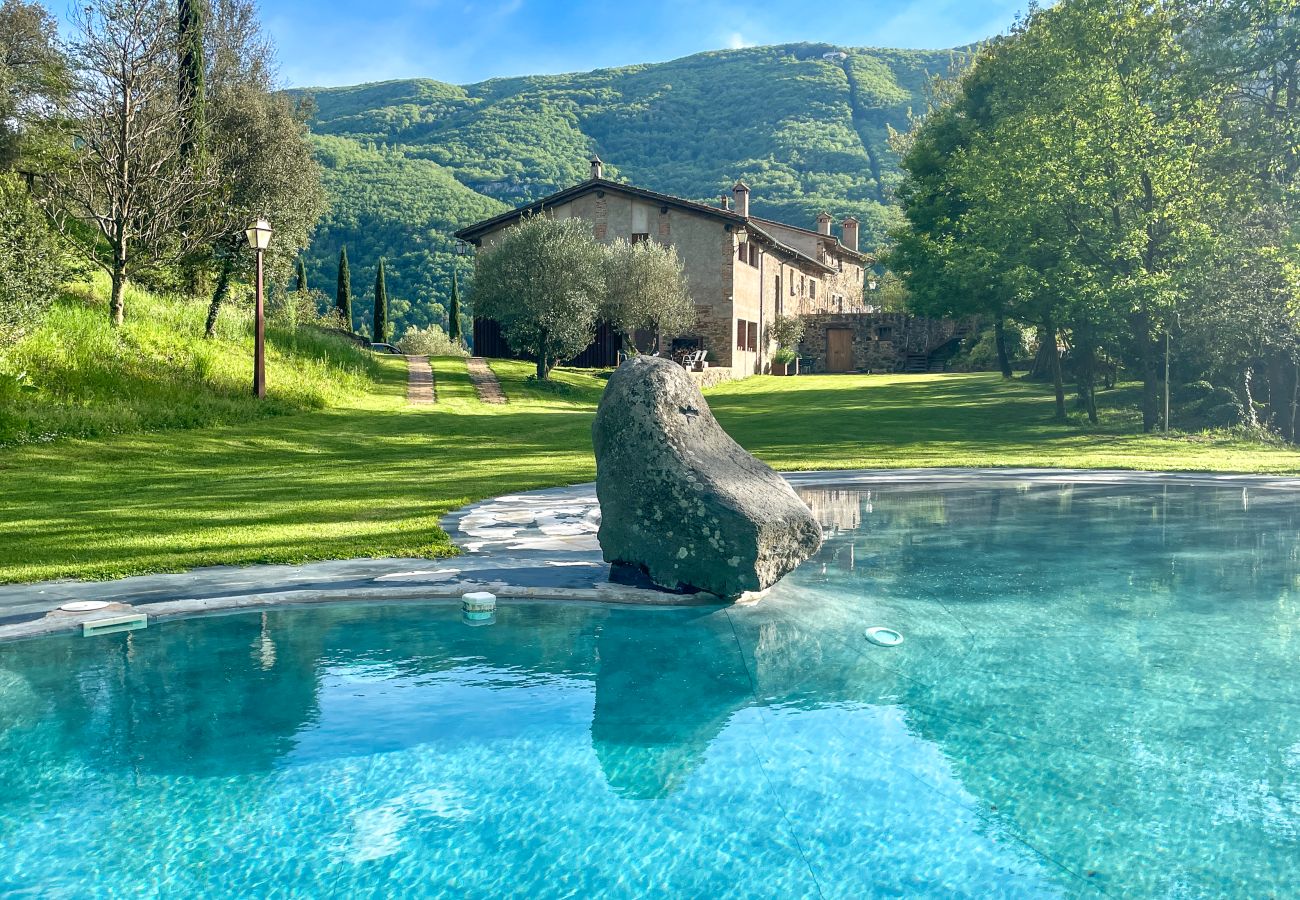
(485, 380)
(419, 381)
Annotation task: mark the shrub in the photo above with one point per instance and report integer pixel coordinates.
(31, 263)
(787, 332)
(431, 341)
(785, 356)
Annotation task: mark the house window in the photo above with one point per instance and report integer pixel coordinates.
(791, 285)
(746, 335)
(812, 289)
(753, 253)
(803, 285)
(780, 301)
(884, 333)
(640, 237)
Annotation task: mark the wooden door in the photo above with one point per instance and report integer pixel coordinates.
(839, 349)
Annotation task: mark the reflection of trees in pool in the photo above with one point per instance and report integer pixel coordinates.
(1120, 693)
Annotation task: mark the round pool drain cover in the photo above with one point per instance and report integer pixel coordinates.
(885, 637)
(84, 605)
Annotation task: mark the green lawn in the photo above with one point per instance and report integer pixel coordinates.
(372, 476)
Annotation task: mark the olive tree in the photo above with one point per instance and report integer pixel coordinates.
(543, 283)
(645, 287)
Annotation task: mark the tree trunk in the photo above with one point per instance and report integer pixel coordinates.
(219, 296)
(1000, 339)
(1041, 368)
(117, 301)
(1150, 366)
(543, 370)
(1247, 399)
(1295, 399)
(1057, 382)
(1085, 372)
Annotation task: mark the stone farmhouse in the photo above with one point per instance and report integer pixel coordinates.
(742, 272)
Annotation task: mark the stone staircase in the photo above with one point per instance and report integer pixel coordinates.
(935, 359)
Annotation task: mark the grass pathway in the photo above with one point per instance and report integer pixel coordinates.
(419, 381)
(485, 380)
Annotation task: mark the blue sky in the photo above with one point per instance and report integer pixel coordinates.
(338, 42)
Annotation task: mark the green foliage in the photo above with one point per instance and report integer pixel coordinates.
(646, 288)
(34, 84)
(193, 94)
(31, 262)
(343, 295)
(453, 309)
(543, 282)
(380, 332)
(408, 162)
(83, 378)
(266, 168)
(430, 341)
(785, 356)
(1096, 174)
(786, 332)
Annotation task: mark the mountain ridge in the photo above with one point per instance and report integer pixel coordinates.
(408, 161)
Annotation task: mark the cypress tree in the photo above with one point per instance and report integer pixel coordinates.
(453, 309)
(343, 298)
(301, 284)
(381, 306)
(192, 90)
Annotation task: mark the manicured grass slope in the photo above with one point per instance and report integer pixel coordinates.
(373, 476)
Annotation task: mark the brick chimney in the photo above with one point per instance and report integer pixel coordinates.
(850, 232)
(597, 168)
(741, 190)
(824, 223)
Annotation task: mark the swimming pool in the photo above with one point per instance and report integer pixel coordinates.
(1096, 691)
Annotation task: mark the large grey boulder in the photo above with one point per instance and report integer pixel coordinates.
(679, 499)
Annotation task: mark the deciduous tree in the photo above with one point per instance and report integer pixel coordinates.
(129, 177)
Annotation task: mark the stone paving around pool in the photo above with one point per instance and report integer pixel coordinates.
(539, 545)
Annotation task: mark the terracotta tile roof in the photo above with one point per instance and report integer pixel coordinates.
(476, 231)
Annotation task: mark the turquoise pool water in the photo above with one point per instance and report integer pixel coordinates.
(1097, 693)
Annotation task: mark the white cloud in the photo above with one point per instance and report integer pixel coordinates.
(736, 41)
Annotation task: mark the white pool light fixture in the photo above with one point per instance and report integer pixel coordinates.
(884, 637)
(84, 606)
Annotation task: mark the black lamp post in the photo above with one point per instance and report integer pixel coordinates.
(259, 238)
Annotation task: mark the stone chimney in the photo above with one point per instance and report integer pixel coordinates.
(741, 190)
(850, 238)
(597, 167)
(824, 223)
(724, 201)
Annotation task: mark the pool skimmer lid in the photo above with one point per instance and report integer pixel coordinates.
(884, 637)
(84, 606)
(478, 608)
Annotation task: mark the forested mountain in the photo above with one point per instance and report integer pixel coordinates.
(408, 162)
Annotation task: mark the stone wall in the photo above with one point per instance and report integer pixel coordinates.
(881, 341)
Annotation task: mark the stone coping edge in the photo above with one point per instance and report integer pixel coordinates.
(58, 622)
